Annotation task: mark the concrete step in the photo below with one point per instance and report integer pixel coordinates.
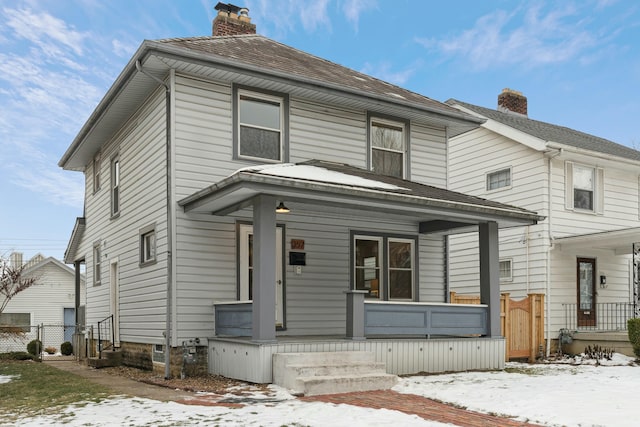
(330, 372)
(311, 386)
(109, 358)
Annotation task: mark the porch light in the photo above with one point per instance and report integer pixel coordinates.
(282, 208)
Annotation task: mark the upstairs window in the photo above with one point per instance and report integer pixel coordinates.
(499, 179)
(388, 147)
(115, 186)
(584, 188)
(97, 164)
(147, 245)
(96, 264)
(260, 126)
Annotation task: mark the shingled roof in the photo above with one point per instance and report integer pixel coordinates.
(270, 55)
(553, 133)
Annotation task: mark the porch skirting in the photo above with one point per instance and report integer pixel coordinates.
(250, 361)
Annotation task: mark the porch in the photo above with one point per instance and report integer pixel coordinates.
(241, 358)
(407, 337)
(608, 331)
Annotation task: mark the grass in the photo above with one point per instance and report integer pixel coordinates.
(38, 389)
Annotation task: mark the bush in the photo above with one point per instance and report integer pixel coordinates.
(17, 355)
(34, 347)
(66, 348)
(633, 329)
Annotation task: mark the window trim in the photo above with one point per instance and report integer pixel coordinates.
(97, 166)
(97, 264)
(384, 239)
(598, 188)
(269, 96)
(489, 174)
(510, 277)
(385, 119)
(116, 180)
(149, 230)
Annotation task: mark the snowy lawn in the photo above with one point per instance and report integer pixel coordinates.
(549, 394)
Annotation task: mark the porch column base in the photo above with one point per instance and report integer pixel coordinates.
(355, 315)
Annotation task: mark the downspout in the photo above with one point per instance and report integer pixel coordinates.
(547, 300)
(167, 332)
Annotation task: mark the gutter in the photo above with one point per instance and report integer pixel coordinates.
(168, 324)
(550, 156)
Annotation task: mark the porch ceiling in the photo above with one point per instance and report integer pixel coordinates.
(341, 187)
(619, 241)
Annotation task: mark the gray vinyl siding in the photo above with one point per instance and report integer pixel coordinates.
(205, 245)
(140, 146)
(428, 155)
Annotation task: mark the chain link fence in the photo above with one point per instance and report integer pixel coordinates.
(52, 337)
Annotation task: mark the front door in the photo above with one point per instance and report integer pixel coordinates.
(246, 269)
(586, 292)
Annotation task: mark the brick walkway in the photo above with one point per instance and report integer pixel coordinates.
(418, 405)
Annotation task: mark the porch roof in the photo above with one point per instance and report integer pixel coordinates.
(619, 241)
(342, 186)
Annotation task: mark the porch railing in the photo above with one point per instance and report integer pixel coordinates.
(610, 316)
(378, 318)
(106, 335)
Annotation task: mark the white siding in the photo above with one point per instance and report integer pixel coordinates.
(141, 149)
(428, 155)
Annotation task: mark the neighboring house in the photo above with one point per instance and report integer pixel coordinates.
(186, 159)
(581, 255)
(51, 301)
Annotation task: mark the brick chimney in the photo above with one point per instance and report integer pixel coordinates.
(232, 21)
(512, 101)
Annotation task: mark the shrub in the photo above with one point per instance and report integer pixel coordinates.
(51, 350)
(34, 347)
(17, 355)
(66, 348)
(633, 329)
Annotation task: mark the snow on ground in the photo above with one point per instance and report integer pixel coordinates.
(574, 393)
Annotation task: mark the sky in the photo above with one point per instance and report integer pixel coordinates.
(569, 395)
(577, 62)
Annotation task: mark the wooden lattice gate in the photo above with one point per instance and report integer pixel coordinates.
(521, 323)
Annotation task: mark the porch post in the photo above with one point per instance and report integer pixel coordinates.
(355, 314)
(490, 274)
(264, 269)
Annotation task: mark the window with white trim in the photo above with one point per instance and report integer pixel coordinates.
(115, 186)
(384, 266)
(506, 270)
(499, 179)
(388, 147)
(260, 119)
(96, 264)
(147, 245)
(97, 165)
(584, 188)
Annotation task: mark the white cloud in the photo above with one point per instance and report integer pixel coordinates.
(527, 36)
(353, 9)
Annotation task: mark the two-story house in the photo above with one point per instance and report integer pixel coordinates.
(582, 255)
(245, 198)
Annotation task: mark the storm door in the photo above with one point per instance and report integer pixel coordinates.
(586, 292)
(246, 269)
